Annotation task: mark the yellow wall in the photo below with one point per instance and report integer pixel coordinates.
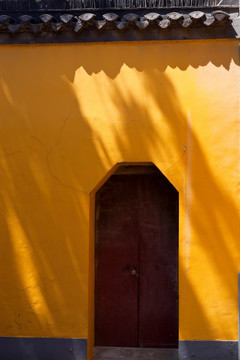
(69, 113)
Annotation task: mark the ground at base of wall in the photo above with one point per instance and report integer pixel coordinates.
(188, 350)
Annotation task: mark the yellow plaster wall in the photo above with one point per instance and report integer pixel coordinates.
(68, 114)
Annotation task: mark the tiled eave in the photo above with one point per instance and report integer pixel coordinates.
(119, 25)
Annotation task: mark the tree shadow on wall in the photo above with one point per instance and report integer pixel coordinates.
(54, 152)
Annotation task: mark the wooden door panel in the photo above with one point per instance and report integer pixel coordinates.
(136, 227)
(116, 290)
(158, 263)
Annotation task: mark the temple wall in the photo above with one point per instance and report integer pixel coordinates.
(69, 114)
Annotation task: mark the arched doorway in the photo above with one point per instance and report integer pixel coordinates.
(136, 256)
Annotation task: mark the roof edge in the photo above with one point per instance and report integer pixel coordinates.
(119, 25)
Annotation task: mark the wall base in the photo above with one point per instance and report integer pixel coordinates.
(12, 348)
(22, 348)
(208, 350)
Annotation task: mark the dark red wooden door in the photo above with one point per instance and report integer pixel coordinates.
(158, 285)
(136, 285)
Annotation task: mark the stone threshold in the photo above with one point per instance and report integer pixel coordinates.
(127, 353)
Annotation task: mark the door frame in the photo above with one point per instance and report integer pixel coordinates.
(91, 278)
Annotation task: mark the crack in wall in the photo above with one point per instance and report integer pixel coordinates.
(10, 154)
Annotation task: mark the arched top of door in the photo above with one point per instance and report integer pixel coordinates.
(130, 169)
